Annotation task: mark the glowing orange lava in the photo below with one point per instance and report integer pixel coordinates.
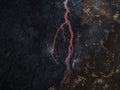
(67, 22)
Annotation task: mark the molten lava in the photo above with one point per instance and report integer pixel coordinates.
(67, 22)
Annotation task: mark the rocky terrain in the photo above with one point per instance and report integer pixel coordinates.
(27, 29)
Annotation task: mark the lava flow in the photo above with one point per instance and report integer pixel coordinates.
(67, 22)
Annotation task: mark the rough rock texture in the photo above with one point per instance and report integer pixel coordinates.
(27, 29)
(99, 40)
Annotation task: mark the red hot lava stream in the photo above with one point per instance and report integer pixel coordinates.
(67, 73)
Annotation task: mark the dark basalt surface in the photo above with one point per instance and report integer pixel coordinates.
(27, 29)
